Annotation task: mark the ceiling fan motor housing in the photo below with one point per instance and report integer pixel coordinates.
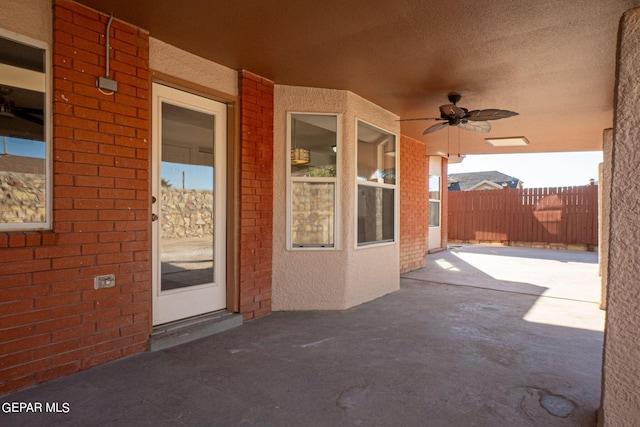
(454, 98)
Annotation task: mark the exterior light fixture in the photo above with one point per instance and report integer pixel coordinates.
(511, 141)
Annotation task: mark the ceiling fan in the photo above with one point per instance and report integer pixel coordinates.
(474, 120)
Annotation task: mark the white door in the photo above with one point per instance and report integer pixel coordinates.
(188, 209)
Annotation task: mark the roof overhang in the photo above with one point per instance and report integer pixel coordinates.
(552, 62)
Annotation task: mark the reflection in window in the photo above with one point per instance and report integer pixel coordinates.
(375, 214)
(23, 146)
(187, 208)
(313, 145)
(312, 214)
(313, 177)
(376, 185)
(376, 155)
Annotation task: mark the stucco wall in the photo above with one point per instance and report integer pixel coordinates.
(345, 276)
(621, 369)
(375, 270)
(176, 62)
(31, 18)
(604, 213)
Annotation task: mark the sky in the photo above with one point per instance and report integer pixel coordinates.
(538, 169)
(195, 177)
(22, 147)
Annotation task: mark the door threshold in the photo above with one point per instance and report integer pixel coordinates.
(182, 331)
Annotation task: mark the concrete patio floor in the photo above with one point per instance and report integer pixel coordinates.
(482, 336)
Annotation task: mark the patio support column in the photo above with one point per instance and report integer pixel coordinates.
(414, 204)
(621, 364)
(256, 194)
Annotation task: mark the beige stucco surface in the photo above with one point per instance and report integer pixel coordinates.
(345, 276)
(31, 18)
(176, 62)
(621, 369)
(604, 212)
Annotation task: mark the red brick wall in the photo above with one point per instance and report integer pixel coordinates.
(52, 321)
(256, 192)
(414, 204)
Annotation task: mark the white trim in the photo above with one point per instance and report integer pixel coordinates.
(181, 303)
(48, 132)
(438, 201)
(434, 232)
(395, 187)
(17, 37)
(335, 180)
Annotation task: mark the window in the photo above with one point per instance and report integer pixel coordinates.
(434, 201)
(24, 170)
(376, 181)
(313, 144)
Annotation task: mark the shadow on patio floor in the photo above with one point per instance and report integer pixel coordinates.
(431, 354)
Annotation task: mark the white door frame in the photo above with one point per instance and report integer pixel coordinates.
(171, 305)
(435, 233)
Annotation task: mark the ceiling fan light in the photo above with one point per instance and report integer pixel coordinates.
(300, 156)
(511, 141)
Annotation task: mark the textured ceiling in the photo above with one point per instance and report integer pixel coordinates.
(551, 61)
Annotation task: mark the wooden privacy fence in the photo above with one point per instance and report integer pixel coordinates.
(565, 215)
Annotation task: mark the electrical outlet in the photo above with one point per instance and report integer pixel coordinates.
(107, 281)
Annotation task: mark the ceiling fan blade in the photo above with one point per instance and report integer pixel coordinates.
(489, 114)
(451, 110)
(28, 117)
(36, 111)
(477, 126)
(435, 127)
(421, 118)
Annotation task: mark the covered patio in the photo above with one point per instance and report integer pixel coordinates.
(483, 335)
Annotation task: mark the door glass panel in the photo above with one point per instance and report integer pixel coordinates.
(187, 200)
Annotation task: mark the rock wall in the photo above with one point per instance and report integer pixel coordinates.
(22, 198)
(312, 213)
(186, 213)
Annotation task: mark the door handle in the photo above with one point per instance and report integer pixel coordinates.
(154, 217)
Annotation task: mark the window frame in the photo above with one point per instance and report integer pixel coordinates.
(438, 201)
(373, 184)
(290, 246)
(48, 132)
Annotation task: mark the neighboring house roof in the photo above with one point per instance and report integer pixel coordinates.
(472, 180)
